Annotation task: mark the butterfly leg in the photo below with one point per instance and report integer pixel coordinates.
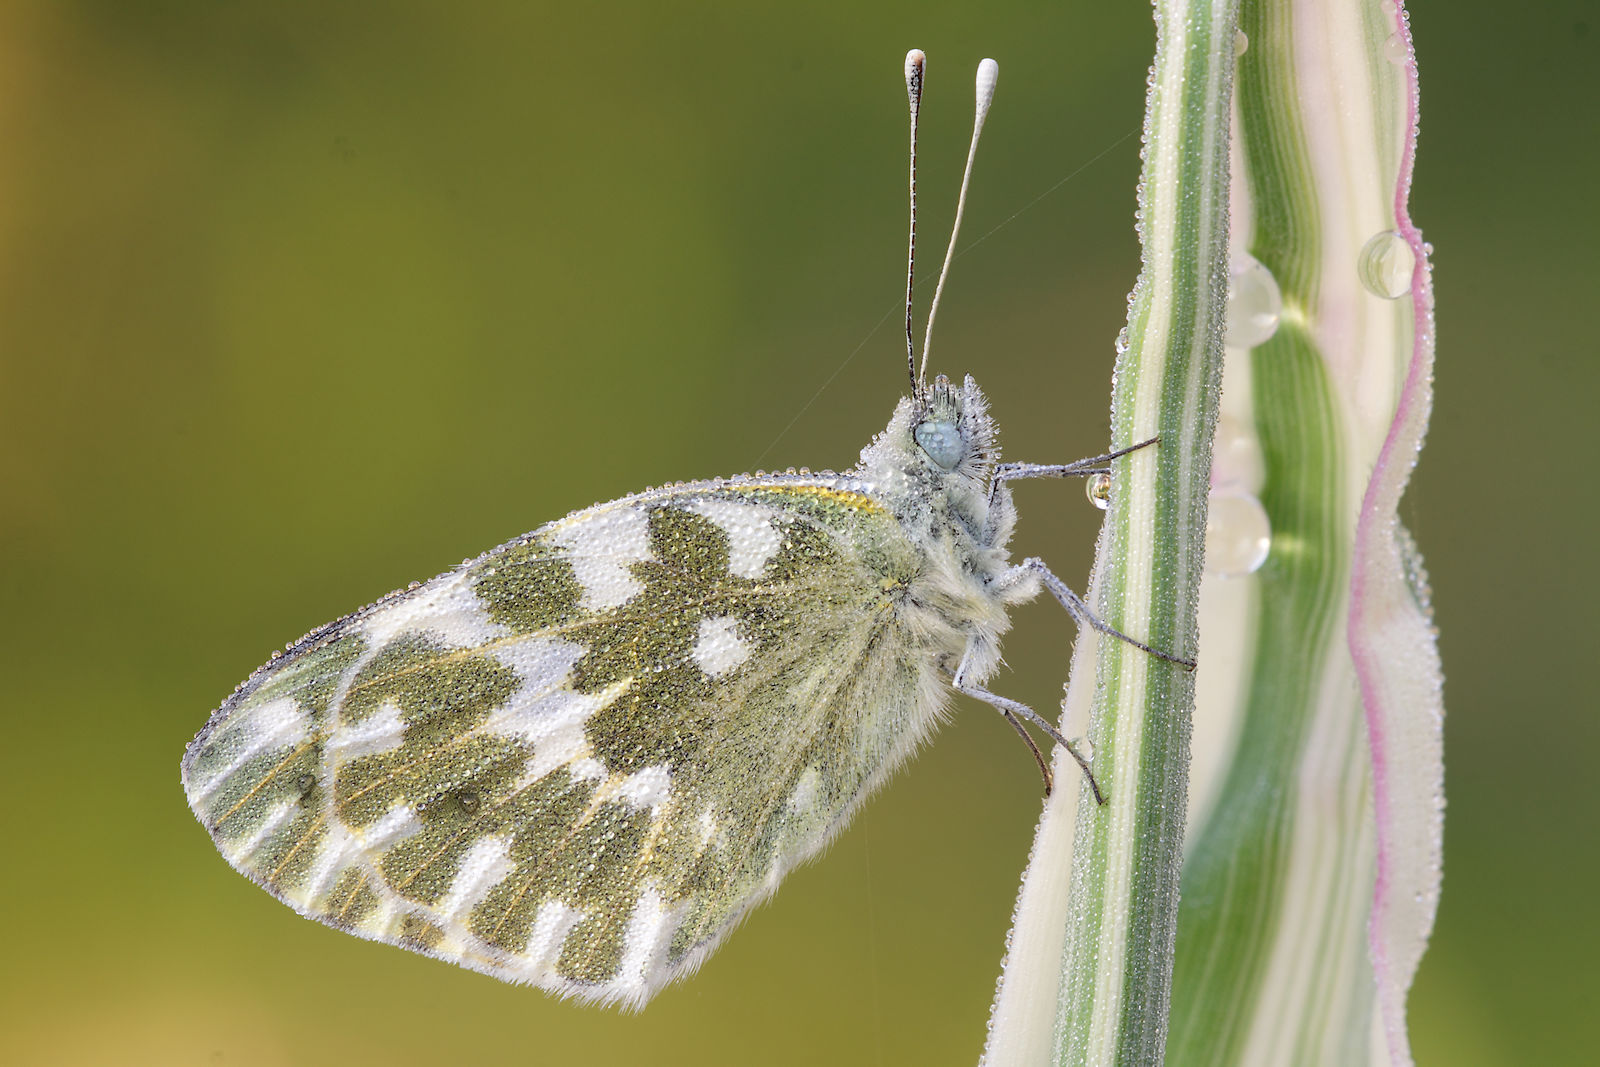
(1080, 468)
(1033, 746)
(1014, 712)
(1034, 567)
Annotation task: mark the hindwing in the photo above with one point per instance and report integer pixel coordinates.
(577, 760)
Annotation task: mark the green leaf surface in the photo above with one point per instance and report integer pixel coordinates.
(1311, 872)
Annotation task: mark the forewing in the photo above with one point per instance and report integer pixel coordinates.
(578, 759)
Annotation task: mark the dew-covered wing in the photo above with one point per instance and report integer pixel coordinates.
(578, 759)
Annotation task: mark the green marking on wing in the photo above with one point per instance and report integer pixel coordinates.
(570, 850)
(442, 694)
(457, 792)
(418, 934)
(352, 899)
(528, 586)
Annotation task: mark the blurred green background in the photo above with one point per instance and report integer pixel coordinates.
(302, 301)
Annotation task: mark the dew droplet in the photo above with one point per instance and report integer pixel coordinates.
(1385, 265)
(1238, 534)
(1085, 748)
(1236, 461)
(1394, 49)
(1254, 303)
(1240, 42)
(1097, 487)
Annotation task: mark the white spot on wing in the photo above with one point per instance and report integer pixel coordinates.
(337, 851)
(553, 724)
(551, 925)
(708, 827)
(752, 537)
(483, 867)
(646, 788)
(382, 917)
(602, 548)
(541, 711)
(719, 648)
(644, 953)
(397, 824)
(445, 609)
(587, 769)
(378, 732)
(343, 847)
(542, 663)
(805, 792)
(275, 724)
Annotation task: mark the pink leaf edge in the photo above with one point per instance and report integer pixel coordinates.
(1394, 646)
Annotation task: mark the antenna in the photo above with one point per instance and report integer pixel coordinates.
(916, 62)
(988, 74)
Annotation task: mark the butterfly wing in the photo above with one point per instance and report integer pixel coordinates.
(578, 760)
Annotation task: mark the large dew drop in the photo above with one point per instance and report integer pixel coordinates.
(1097, 487)
(1238, 534)
(1385, 265)
(1254, 304)
(1236, 461)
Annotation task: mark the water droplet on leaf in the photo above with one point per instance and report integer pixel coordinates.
(1385, 265)
(1254, 304)
(1236, 461)
(1238, 534)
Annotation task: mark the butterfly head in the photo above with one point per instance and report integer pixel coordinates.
(939, 446)
(938, 432)
(952, 430)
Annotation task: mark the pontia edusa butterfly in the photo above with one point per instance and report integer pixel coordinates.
(577, 760)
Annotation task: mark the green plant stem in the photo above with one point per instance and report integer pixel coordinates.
(1115, 991)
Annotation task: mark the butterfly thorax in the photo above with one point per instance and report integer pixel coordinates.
(933, 467)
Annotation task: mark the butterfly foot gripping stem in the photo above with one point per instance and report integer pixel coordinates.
(1035, 567)
(1014, 712)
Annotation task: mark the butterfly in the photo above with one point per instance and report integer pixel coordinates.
(579, 759)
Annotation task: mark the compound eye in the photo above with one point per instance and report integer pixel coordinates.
(941, 440)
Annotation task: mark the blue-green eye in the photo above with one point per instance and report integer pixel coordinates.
(942, 442)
